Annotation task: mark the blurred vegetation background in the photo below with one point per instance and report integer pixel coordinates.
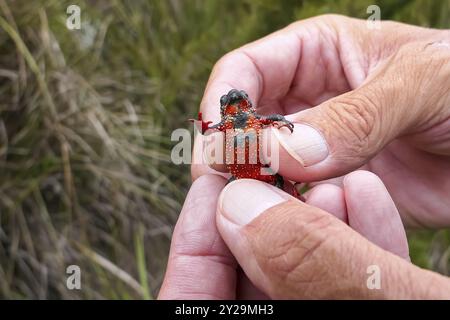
(85, 123)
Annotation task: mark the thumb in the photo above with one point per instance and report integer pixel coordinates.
(406, 94)
(291, 250)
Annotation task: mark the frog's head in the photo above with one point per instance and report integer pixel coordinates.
(235, 102)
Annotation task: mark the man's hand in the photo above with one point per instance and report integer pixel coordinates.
(357, 96)
(290, 249)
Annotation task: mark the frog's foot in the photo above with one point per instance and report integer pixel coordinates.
(203, 126)
(297, 194)
(281, 122)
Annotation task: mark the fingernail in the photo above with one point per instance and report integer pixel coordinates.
(305, 144)
(243, 200)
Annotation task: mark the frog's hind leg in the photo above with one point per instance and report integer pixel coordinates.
(297, 194)
(232, 178)
(279, 181)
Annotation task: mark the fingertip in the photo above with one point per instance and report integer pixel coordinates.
(199, 170)
(242, 200)
(359, 177)
(208, 181)
(372, 212)
(301, 156)
(214, 151)
(201, 161)
(328, 197)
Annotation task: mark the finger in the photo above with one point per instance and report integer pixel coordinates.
(290, 249)
(264, 69)
(345, 132)
(338, 181)
(373, 214)
(206, 158)
(200, 266)
(328, 197)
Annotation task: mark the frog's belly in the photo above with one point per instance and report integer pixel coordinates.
(245, 162)
(243, 156)
(243, 171)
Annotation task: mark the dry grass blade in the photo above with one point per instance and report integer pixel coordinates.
(114, 269)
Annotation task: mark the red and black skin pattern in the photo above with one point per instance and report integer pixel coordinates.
(239, 116)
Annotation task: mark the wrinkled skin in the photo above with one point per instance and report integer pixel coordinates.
(381, 98)
(361, 88)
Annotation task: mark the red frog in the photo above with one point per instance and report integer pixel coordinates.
(240, 121)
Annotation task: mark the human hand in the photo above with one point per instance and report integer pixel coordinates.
(291, 249)
(358, 97)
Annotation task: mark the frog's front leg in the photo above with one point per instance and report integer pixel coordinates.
(276, 120)
(205, 124)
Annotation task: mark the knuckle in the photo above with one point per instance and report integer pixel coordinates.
(435, 58)
(223, 62)
(229, 60)
(425, 57)
(333, 17)
(296, 257)
(226, 59)
(425, 69)
(354, 118)
(295, 250)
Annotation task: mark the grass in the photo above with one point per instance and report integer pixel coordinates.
(85, 123)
